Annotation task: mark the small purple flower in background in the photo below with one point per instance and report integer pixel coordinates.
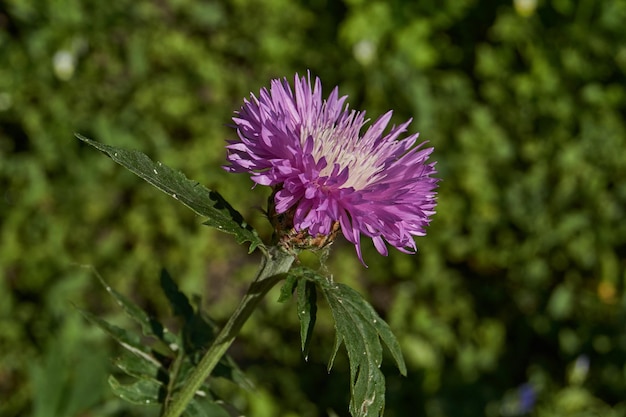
(519, 401)
(527, 398)
(579, 371)
(326, 175)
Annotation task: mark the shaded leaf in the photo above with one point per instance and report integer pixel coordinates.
(149, 326)
(364, 353)
(157, 375)
(287, 289)
(210, 204)
(128, 340)
(204, 402)
(140, 366)
(226, 368)
(382, 328)
(178, 301)
(143, 391)
(205, 407)
(60, 390)
(198, 333)
(307, 312)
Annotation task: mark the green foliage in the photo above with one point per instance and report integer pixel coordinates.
(307, 312)
(204, 202)
(521, 273)
(159, 368)
(65, 382)
(358, 327)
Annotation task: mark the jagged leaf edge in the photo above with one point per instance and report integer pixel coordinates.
(142, 391)
(206, 203)
(307, 312)
(127, 339)
(166, 340)
(362, 309)
(364, 353)
(138, 366)
(382, 328)
(193, 317)
(306, 304)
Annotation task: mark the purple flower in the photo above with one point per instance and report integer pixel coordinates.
(326, 174)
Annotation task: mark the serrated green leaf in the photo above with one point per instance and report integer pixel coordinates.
(178, 301)
(128, 340)
(198, 333)
(204, 407)
(228, 368)
(287, 289)
(364, 353)
(140, 366)
(333, 353)
(143, 391)
(210, 204)
(204, 402)
(157, 374)
(384, 332)
(359, 328)
(149, 326)
(307, 312)
(201, 333)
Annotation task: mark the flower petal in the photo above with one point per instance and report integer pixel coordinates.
(375, 184)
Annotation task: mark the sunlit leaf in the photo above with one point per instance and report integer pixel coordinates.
(360, 329)
(382, 328)
(210, 204)
(143, 391)
(360, 338)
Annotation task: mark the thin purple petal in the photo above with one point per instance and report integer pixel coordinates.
(312, 152)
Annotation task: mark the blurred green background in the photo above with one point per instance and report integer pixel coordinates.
(515, 304)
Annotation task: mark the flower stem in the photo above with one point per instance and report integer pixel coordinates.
(273, 264)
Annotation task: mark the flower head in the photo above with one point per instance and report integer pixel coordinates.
(326, 175)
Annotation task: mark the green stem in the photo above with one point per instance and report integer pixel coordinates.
(272, 266)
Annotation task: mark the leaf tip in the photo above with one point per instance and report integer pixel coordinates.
(81, 137)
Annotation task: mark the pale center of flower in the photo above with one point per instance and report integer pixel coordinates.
(343, 147)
